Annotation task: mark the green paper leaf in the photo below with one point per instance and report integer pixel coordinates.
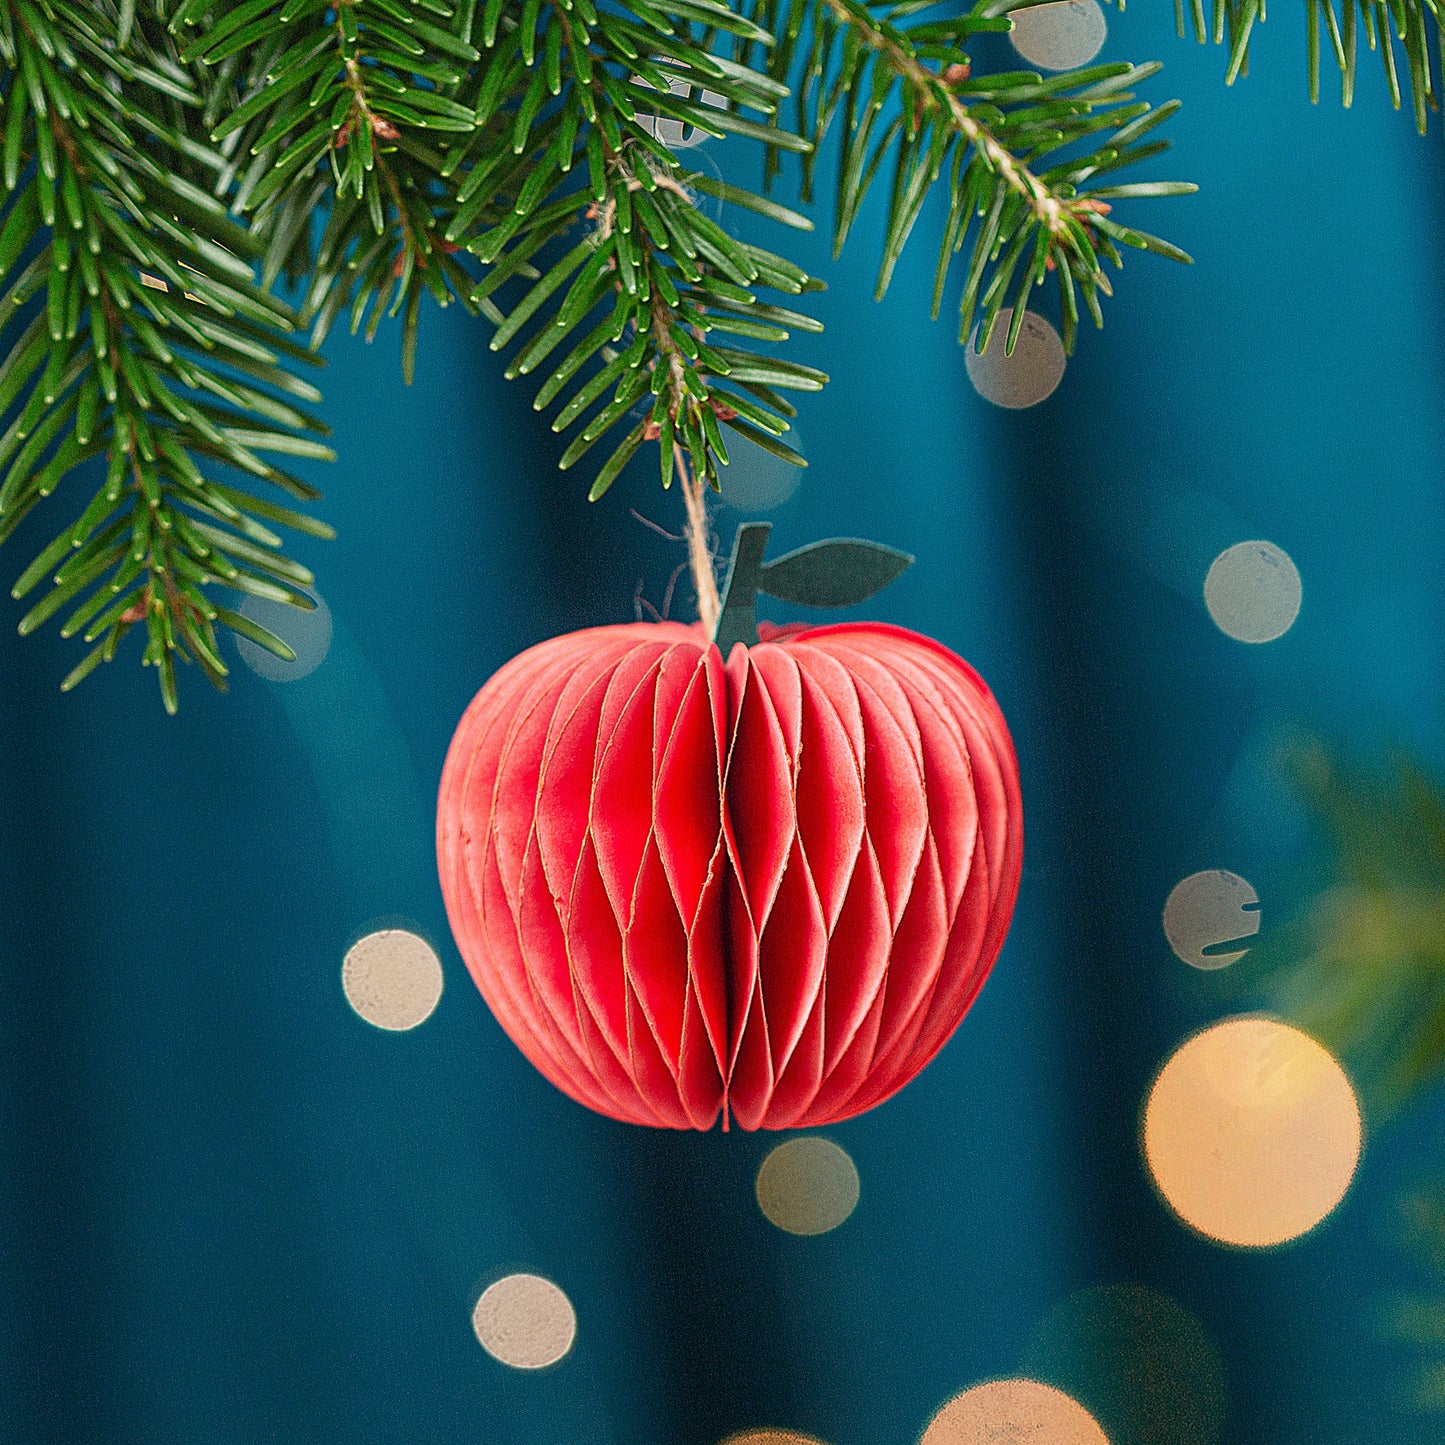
(835, 573)
(738, 622)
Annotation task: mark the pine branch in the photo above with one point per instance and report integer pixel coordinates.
(143, 339)
(504, 155)
(553, 88)
(347, 106)
(663, 279)
(540, 137)
(1021, 154)
(1362, 968)
(1414, 25)
(656, 287)
(655, 275)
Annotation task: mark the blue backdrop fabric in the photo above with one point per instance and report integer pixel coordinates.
(230, 1210)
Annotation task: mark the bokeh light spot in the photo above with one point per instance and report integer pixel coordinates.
(1253, 592)
(807, 1186)
(1252, 1132)
(755, 480)
(1062, 36)
(525, 1321)
(673, 133)
(1030, 375)
(770, 1436)
(1207, 909)
(392, 978)
(308, 634)
(1013, 1412)
(1141, 1364)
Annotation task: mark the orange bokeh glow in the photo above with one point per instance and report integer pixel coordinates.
(771, 1437)
(1023, 1411)
(1252, 1132)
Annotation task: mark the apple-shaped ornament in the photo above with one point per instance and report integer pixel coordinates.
(761, 878)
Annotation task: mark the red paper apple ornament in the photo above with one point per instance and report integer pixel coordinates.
(768, 888)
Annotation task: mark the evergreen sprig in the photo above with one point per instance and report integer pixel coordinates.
(171, 165)
(1021, 153)
(137, 332)
(352, 109)
(1412, 25)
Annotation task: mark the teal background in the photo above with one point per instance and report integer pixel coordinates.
(231, 1211)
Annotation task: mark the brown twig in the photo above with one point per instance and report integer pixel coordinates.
(1051, 211)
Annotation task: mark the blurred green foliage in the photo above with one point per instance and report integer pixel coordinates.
(1361, 966)
(1417, 1319)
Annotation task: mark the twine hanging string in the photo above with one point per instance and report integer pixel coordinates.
(699, 553)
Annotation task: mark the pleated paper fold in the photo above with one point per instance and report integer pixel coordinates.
(768, 889)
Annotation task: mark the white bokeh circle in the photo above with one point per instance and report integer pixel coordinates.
(308, 634)
(1209, 908)
(808, 1185)
(673, 133)
(755, 480)
(1253, 591)
(525, 1321)
(1061, 36)
(1028, 376)
(392, 978)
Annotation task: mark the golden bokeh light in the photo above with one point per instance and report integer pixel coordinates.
(1013, 1412)
(525, 1321)
(1252, 1132)
(771, 1437)
(807, 1186)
